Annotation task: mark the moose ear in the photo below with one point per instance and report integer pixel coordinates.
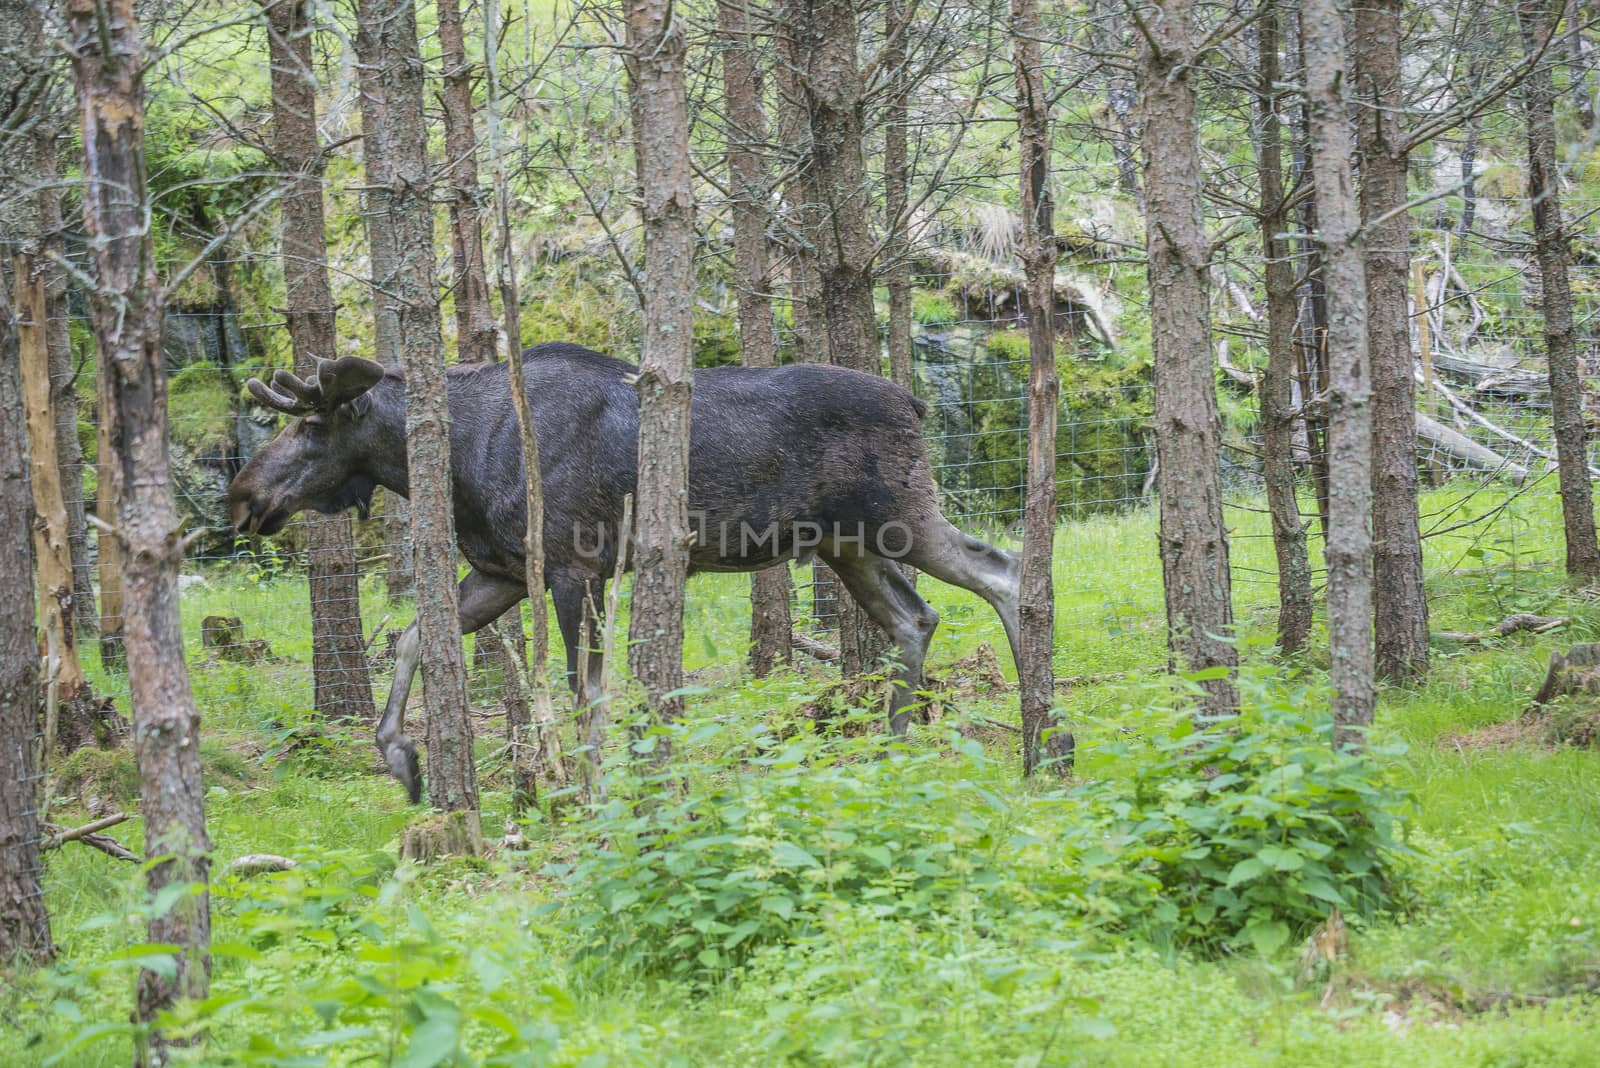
(347, 379)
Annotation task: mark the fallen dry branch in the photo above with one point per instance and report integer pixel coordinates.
(77, 833)
(260, 864)
(110, 847)
(815, 648)
(1510, 625)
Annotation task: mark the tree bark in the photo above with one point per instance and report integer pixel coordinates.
(342, 682)
(383, 253)
(108, 64)
(1349, 387)
(1194, 544)
(475, 326)
(1277, 386)
(1400, 623)
(547, 739)
(896, 190)
(805, 238)
(1311, 343)
(832, 91)
(770, 625)
(64, 393)
(1550, 242)
(655, 48)
(389, 29)
(24, 923)
(66, 686)
(1036, 672)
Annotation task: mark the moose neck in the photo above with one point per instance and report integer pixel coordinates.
(386, 448)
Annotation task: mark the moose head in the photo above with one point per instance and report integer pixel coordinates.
(331, 456)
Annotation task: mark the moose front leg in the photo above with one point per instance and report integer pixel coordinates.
(484, 599)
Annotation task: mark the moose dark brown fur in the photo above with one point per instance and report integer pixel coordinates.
(784, 462)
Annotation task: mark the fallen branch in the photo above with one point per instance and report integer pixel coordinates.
(63, 837)
(813, 647)
(260, 864)
(1463, 448)
(109, 846)
(1518, 621)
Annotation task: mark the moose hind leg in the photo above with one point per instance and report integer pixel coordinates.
(993, 574)
(888, 597)
(484, 599)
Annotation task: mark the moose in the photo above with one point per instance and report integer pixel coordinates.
(784, 463)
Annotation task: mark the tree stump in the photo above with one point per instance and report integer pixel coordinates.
(1577, 671)
(223, 637)
(442, 834)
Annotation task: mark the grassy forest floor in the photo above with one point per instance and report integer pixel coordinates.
(794, 901)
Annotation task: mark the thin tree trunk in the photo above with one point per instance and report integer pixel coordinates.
(1194, 544)
(805, 285)
(475, 326)
(1550, 240)
(831, 84)
(64, 393)
(24, 923)
(1036, 672)
(383, 253)
(52, 553)
(1311, 345)
(524, 782)
(1277, 387)
(1349, 388)
(660, 110)
(770, 625)
(108, 62)
(896, 188)
(341, 679)
(1400, 623)
(390, 29)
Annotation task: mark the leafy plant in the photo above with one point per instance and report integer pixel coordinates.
(1240, 831)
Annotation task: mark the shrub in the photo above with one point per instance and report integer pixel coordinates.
(1245, 831)
(695, 881)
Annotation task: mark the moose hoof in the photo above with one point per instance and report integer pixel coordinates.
(401, 756)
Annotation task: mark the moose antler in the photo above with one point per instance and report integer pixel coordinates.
(335, 382)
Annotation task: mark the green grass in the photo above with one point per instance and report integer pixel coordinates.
(1485, 956)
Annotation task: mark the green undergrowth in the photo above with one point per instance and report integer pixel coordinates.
(795, 893)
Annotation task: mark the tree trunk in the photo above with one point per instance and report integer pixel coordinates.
(389, 28)
(108, 62)
(1400, 605)
(1036, 672)
(24, 923)
(1550, 240)
(475, 327)
(1194, 544)
(809, 323)
(64, 393)
(341, 678)
(547, 740)
(1349, 388)
(383, 252)
(896, 189)
(659, 106)
(832, 92)
(770, 625)
(1277, 386)
(52, 552)
(1311, 344)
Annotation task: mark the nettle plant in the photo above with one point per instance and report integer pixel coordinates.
(1238, 832)
(759, 840)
